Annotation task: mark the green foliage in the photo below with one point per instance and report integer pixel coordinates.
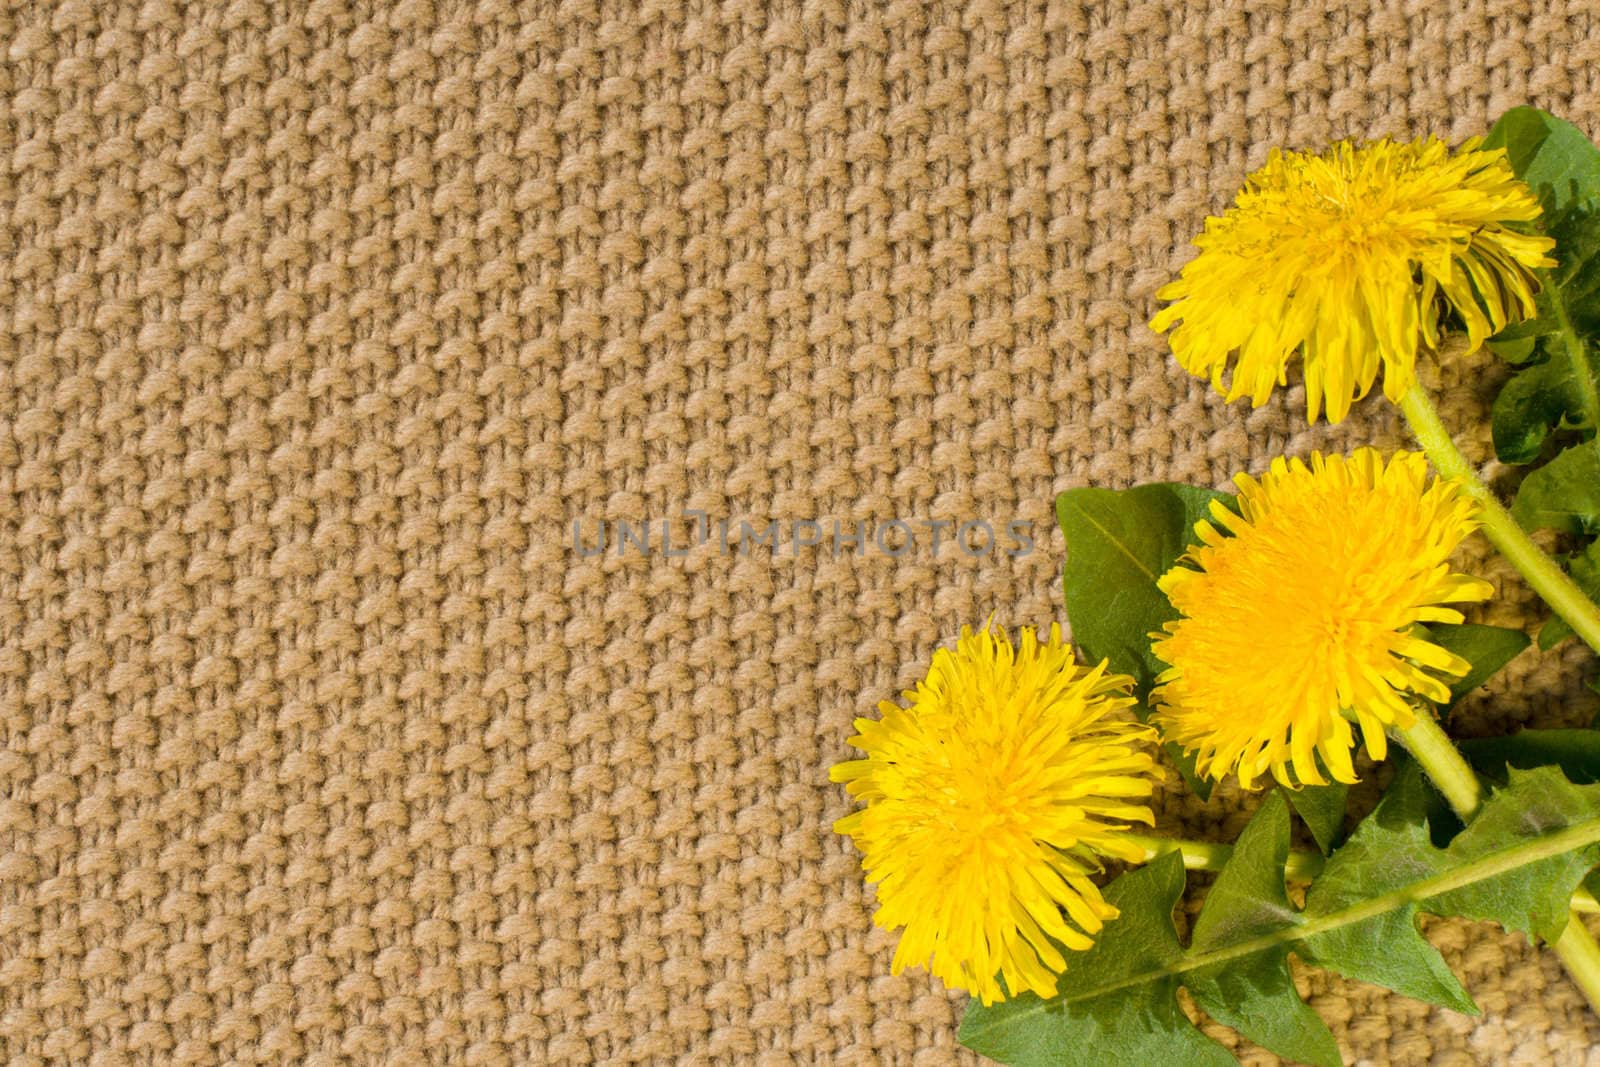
(1487, 648)
(1533, 897)
(1546, 396)
(1555, 387)
(1553, 400)
(1118, 546)
(1576, 752)
(1564, 494)
(1124, 1005)
(1322, 807)
(1553, 156)
(1391, 848)
(1255, 994)
(1584, 567)
(1556, 353)
(1516, 864)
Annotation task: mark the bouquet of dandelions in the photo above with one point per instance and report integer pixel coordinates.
(1264, 633)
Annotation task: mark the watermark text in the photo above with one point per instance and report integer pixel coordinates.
(777, 538)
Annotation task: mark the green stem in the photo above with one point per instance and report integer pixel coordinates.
(1575, 947)
(1442, 762)
(1213, 855)
(1588, 395)
(1485, 867)
(1580, 955)
(1302, 865)
(1541, 572)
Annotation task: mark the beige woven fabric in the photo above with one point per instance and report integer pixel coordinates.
(320, 325)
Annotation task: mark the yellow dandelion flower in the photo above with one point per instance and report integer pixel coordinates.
(1347, 257)
(986, 804)
(1300, 613)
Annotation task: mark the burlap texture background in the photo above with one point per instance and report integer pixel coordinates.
(320, 324)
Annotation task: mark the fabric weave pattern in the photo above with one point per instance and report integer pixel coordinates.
(322, 322)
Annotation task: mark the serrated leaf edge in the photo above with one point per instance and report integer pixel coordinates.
(1417, 893)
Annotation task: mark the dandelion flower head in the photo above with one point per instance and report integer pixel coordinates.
(986, 804)
(1348, 257)
(1300, 614)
